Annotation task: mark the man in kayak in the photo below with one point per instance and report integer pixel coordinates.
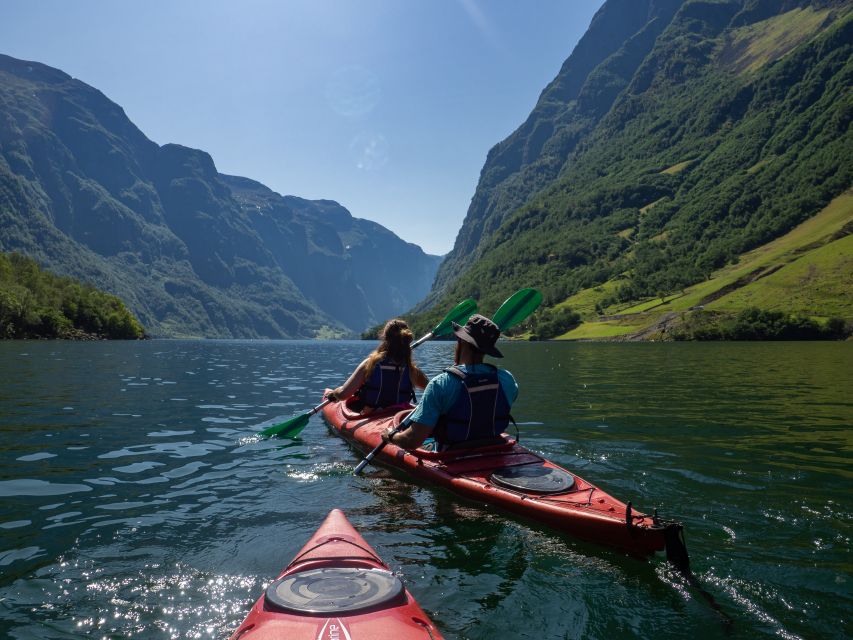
(468, 404)
(388, 376)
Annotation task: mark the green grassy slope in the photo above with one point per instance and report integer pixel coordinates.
(807, 271)
(751, 47)
(820, 283)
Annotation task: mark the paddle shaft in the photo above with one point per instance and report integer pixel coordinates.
(319, 406)
(369, 457)
(423, 338)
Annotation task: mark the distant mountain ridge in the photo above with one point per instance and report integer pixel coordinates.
(354, 269)
(191, 251)
(678, 135)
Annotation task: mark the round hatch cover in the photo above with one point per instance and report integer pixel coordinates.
(534, 478)
(341, 590)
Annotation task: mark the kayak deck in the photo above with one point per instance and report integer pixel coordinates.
(336, 587)
(578, 507)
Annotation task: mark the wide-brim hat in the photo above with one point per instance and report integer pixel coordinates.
(481, 333)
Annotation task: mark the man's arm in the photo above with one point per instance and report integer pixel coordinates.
(410, 438)
(425, 415)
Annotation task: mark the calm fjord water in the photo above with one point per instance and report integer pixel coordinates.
(134, 505)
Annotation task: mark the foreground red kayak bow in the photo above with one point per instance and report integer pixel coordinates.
(336, 588)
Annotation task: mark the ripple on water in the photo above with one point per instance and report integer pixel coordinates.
(319, 471)
(112, 597)
(749, 595)
(698, 477)
(168, 433)
(105, 482)
(138, 467)
(185, 470)
(230, 420)
(123, 506)
(59, 517)
(33, 487)
(182, 449)
(36, 456)
(24, 553)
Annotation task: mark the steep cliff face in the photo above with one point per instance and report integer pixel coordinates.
(191, 253)
(602, 64)
(677, 136)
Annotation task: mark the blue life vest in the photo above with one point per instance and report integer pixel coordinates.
(481, 410)
(389, 383)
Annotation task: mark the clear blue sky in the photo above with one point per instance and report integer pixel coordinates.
(387, 106)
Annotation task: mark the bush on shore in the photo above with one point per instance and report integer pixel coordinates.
(759, 324)
(38, 304)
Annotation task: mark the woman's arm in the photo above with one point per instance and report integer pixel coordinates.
(419, 380)
(352, 384)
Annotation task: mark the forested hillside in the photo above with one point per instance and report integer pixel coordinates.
(190, 251)
(696, 131)
(38, 304)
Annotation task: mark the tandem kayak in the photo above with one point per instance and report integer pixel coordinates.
(336, 588)
(509, 476)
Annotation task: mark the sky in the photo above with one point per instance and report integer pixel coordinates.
(386, 106)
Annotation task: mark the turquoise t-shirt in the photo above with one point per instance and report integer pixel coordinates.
(442, 391)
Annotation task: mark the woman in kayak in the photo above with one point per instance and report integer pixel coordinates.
(468, 404)
(387, 377)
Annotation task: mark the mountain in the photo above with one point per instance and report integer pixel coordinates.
(358, 271)
(678, 136)
(192, 252)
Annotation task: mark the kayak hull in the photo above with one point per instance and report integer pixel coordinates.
(583, 511)
(336, 546)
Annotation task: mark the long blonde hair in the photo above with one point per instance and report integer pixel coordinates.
(396, 344)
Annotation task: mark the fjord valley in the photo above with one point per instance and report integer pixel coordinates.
(687, 169)
(190, 251)
(674, 466)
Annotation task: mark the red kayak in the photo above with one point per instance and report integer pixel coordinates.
(511, 477)
(336, 588)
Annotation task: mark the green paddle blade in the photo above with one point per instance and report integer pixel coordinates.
(517, 308)
(289, 429)
(458, 314)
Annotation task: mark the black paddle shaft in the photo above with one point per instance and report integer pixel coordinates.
(367, 459)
